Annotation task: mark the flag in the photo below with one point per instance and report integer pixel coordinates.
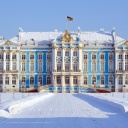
(69, 19)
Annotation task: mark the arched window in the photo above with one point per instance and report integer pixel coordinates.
(49, 80)
(126, 79)
(58, 53)
(111, 80)
(93, 56)
(7, 80)
(7, 56)
(102, 80)
(31, 57)
(75, 80)
(14, 66)
(14, 56)
(40, 56)
(67, 53)
(40, 79)
(85, 56)
(120, 65)
(126, 56)
(120, 80)
(23, 79)
(58, 80)
(13, 80)
(120, 56)
(67, 80)
(102, 56)
(48, 56)
(1, 80)
(85, 66)
(93, 79)
(126, 66)
(110, 56)
(75, 53)
(85, 80)
(102, 66)
(31, 80)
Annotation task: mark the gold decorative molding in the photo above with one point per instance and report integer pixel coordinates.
(7, 42)
(53, 47)
(126, 42)
(67, 37)
(10, 51)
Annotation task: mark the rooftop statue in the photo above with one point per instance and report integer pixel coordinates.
(67, 37)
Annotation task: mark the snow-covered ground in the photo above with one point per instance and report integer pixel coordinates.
(90, 110)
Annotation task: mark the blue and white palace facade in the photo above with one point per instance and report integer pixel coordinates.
(64, 60)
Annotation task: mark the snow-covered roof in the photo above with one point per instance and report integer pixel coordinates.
(45, 38)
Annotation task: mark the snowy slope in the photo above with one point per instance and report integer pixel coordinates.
(70, 111)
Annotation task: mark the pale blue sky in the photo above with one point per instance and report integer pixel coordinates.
(47, 15)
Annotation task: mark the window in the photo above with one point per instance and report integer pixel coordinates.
(75, 53)
(111, 66)
(23, 57)
(75, 80)
(111, 80)
(58, 80)
(7, 80)
(31, 57)
(102, 66)
(59, 67)
(31, 66)
(31, 80)
(66, 66)
(85, 80)
(126, 66)
(102, 80)
(23, 79)
(40, 56)
(1, 56)
(120, 56)
(120, 65)
(120, 80)
(66, 80)
(14, 66)
(94, 66)
(74, 66)
(7, 56)
(14, 56)
(1, 65)
(102, 56)
(1, 80)
(7, 65)
(67, 53)
(58, 53)
(40, 66)
(13, 80)
(23, 67)
(85, 66)
(85, 57)
(93, 56)
(110, 56)
(126, 79)
(49, 80)
(48, 66)
(48, 56)
(93, 79)
(126, 56)
(40, 79)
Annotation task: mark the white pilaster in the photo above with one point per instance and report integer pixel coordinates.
(116, 62)
(54, 54)
(4, 62)
(62, 81)
(80, 58)
(3, 80)
(123, 60)
(10, 60)
(123, 79)
(63, 55)
(71, 58)
(10, 79)
(17, 64)
(71, 83)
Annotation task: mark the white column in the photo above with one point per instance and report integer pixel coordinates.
(3, 80)
(17, 83)
(71, 83)
(116, 83)
(10, 60)
(123, 79)
(116, 62)
(123, 60)
(10, 79)
(4, 62)
(62, 83)
(80, 58)
(54, 54)
(71, 58)
(17, 64)
(63, 55)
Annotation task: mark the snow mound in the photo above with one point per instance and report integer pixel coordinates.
(13, 109)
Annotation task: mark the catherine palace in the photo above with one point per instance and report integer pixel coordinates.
(64, 61)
